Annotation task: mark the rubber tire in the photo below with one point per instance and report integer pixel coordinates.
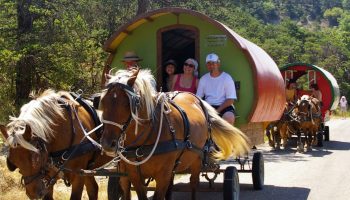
(326, 133)
(114, 191)
(320, 138)
(258, 171)
(231, 184)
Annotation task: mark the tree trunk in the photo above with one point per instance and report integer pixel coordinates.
(142, 6)
(24, 78)
(25, 66)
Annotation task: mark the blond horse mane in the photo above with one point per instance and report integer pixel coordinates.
(40, 115)
(144, 86)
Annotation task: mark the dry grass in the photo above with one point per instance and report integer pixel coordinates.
(10, 187)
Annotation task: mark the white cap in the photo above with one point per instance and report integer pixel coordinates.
(212, 58)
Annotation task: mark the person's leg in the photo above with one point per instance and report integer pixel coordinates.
(229, 117)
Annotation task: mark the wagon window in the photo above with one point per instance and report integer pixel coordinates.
(311, 74)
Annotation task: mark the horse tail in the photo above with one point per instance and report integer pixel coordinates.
(229, 139)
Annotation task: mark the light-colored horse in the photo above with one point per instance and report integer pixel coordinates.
(309, 114)
(158, 134)
(42, 140)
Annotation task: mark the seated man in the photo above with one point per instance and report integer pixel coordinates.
(130, 60)
(218, 89)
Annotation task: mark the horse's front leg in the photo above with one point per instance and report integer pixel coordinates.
(277, 139)
(300, 146)
(49, 194)
(308, 140)
(137, 182)
(284, 135)
(77, 187)
(125, 186)
(91, 187)
(269, 137)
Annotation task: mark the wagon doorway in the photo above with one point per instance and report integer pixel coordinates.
(177, 43)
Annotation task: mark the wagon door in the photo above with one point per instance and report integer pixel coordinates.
(177, 42)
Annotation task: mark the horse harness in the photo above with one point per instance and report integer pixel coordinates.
(138, 152)
(309, 115)
(57, 160)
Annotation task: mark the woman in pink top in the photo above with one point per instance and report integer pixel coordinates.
(187, 81)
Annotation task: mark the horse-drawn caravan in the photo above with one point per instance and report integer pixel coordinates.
(175, 33)
(306, 75)
(312, 95)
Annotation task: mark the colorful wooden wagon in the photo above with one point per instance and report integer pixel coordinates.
(306, 75)
(177, 33)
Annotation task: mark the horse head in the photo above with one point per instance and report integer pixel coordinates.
(28, 136)
(28, 153)
(128, 96)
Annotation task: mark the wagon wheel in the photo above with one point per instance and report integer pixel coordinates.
(326, 133)
(258, 171)
(114, 190)
(231, 184)
(320, 138)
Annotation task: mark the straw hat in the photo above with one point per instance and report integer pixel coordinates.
(131, 56)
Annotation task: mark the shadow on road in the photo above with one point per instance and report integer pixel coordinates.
(270, 192)
(337, 145)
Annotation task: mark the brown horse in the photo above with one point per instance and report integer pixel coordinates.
(309, 114)
(47, 142)
(284, 128)
(159, 134)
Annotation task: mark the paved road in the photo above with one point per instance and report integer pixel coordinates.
(322, 174)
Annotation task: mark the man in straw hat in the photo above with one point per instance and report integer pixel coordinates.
(130, 60)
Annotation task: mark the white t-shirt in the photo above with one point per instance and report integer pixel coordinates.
(216, 89)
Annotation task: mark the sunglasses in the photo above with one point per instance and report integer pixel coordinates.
(190, 65)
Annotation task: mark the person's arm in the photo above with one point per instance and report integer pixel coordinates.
(173, 82)
(200, 89)
(230, 93)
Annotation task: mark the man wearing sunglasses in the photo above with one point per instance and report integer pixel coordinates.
(218, 89)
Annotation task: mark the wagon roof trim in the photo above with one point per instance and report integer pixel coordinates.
(134, 23)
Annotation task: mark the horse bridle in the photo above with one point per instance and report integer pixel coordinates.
(135, 103)
(44, 166)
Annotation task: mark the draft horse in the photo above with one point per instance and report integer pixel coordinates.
(283, 129)
(47, 142)
(158, 134)
(309, 114)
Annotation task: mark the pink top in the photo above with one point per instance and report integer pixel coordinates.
(192, 89)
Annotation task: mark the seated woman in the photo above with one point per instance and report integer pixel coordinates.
(291, 92)
(316, 93)
(169, 68)
(187, 81)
